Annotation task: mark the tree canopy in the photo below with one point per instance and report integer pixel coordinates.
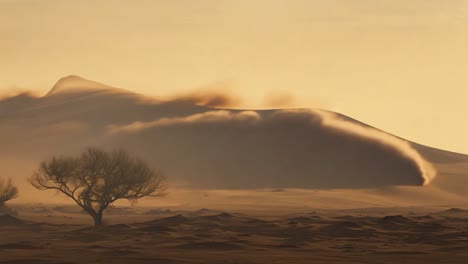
(7, 191)
(97, 178)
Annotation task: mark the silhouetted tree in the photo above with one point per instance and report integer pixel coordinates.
(96, 179)
(7, 191)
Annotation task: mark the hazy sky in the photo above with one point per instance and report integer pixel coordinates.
(400, 65)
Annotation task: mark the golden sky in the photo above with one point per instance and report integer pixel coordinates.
(399, 65)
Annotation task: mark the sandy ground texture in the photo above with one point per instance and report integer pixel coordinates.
(62, 234)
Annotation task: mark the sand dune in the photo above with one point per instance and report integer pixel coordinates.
(203, 147)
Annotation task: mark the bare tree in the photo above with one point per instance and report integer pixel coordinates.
(7, 191)
(96, 179)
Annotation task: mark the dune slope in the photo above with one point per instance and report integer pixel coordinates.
(200, 146)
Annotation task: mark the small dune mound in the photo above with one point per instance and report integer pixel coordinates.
(171, 220)
(344, 225)
(225, 215)
(346, 229)
(425, 217)
(7, 219)
(175, 219)
(396, 220)
(205, 211)
(455, 210)
(218, 217)
(210, 246)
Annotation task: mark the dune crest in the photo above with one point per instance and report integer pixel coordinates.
(74, 83)
(281, 148)
(428, 172)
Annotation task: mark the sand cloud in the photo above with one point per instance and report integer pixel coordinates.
(295, 122)
(207, 98)
(206, 117)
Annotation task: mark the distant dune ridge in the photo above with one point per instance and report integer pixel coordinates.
(205, 147)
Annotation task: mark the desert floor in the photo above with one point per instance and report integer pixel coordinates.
(63, 234)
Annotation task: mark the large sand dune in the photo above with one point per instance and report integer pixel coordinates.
(202, 147)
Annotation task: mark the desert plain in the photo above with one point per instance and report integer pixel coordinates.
(64, 234)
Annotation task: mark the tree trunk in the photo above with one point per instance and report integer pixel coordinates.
(97, 216)
(97, 220)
